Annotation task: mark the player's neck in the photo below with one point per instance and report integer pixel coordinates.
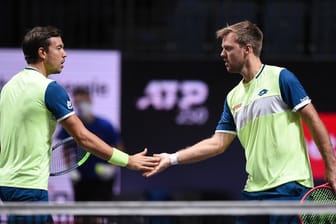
(251, 69)
(40, 68)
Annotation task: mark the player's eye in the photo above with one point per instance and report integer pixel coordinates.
(228, 48)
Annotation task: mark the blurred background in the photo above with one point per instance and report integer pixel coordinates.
(172, 80)
(176, 28)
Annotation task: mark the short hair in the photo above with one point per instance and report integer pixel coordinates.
(81, 90)
(35, 38)
(247, 33)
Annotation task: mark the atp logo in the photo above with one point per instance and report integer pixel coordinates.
(187, 96)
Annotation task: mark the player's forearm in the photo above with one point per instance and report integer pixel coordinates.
(203, 150)
(198, 152)
(324, 145)
(87, 139)
(98, 147)
(94, 145)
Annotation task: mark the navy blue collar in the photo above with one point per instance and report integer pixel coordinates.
(260, 71)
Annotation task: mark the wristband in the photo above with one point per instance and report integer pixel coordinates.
(118, 158)
(173, 158)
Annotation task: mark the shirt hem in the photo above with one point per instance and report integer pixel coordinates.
(301, 105)
(300, 181)
(24, 187)
(66, 116)
(226, 131)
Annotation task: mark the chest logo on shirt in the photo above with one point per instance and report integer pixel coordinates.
(236, 107)
(262, 92)
(69, 105)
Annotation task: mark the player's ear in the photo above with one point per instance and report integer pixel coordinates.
(42, 53)
(248, 49)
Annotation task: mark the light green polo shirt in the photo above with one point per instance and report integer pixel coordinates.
(263, 114)
(30, 105)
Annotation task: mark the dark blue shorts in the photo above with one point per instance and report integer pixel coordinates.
(14, 194)
(289, 191)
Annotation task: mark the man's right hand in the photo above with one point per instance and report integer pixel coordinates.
(141, 162)
(164, 164)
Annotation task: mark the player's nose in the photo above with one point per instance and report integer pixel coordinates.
(222, 53)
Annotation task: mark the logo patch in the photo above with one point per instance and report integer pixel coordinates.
(69, 105)
(187, 96)
(237, 107)
(262, 92)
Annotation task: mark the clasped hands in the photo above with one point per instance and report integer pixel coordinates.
(148, 165)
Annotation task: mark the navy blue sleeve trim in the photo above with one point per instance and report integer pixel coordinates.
(292, 91)
(226, 122)
(58, 101)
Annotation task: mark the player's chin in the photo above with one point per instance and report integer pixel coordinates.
(231, 70)
(58, 70)
(228, 68)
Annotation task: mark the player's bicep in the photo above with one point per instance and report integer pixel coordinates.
(74, 126)
(309, 114)
(224, 139)
(58, 102)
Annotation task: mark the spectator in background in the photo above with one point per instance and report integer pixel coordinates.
(95, 173)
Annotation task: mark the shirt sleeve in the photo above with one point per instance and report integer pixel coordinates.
(58, 102)
(226, 122)
(292, 91)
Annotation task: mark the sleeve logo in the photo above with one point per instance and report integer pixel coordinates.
(69, 105)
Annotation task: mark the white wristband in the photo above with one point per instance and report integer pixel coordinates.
(173, 158)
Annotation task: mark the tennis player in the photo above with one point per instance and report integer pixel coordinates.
(264, 111)
(30, 106)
